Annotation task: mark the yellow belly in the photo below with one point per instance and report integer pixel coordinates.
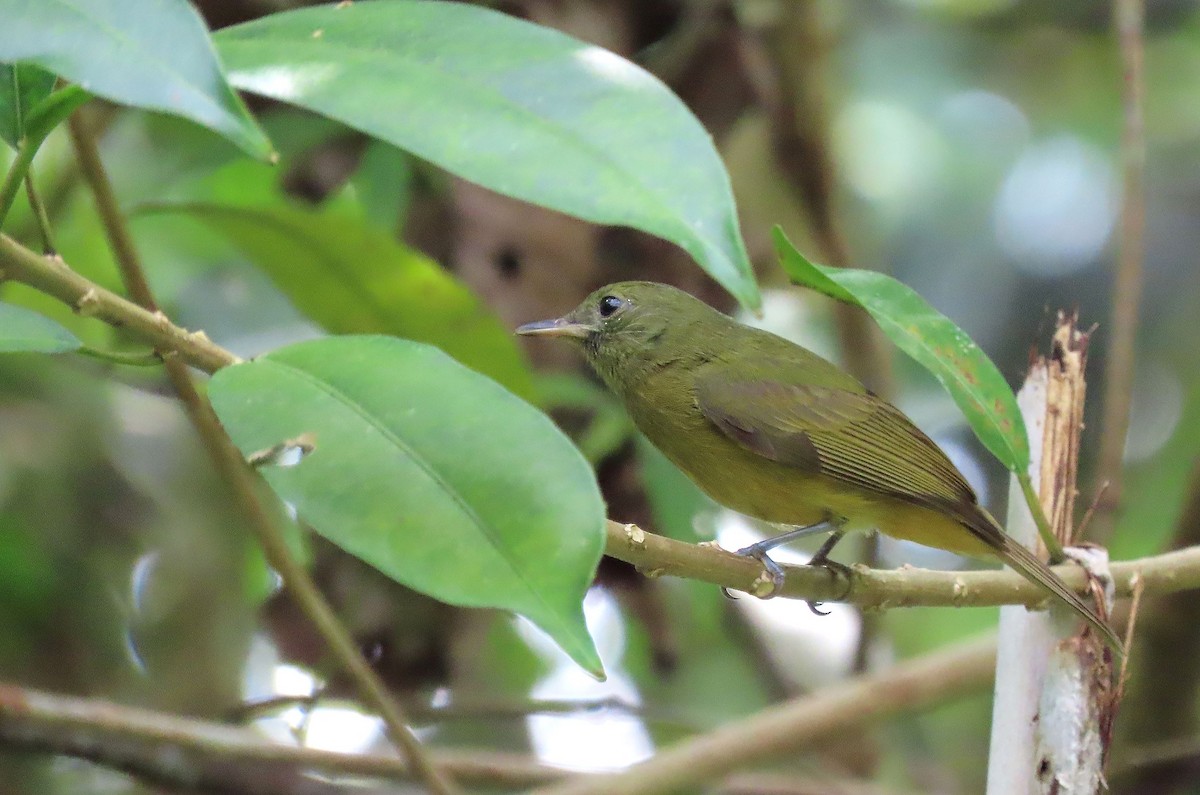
(773, 492)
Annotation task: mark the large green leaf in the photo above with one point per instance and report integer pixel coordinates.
(24, 330)
(428, 471)
(518, 108)
(22, 87)
(933, 341)
(153, 54)
(352, 278)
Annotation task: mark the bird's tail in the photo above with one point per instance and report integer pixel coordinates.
(1031, 568)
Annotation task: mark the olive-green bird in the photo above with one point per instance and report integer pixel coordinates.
(774, 431)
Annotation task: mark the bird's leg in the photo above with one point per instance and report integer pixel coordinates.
(822, 559)
(760, 550)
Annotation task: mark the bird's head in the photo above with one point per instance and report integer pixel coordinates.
(627, 326)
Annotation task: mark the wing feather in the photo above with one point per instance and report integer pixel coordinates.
(850, 436)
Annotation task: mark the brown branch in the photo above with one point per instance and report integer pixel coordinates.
(51, 275)
(1127, 286)
(801, 723)
(37, 210)
(779, 784)
(883, 588)
(801, 137)
(111, 218)
(1036, 661)
(191, 754)
(241, 480)
(188, 752)
(1066, 390)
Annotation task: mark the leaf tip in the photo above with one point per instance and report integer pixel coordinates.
(589, 660)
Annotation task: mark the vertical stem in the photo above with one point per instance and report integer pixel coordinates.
(40, 216)
(16, 174)
(1051, 403)
(238, 476)
(119, 239)
(803, 145)
(1024, 640)
(1127, 285)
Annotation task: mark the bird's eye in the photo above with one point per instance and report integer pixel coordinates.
(610, 304)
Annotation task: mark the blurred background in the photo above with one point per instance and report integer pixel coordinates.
(970, 148)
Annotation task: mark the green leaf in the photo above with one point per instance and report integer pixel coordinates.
(933, 341)
(352, 278)
(22, 86)
(523, 110)
(153, 54)
(430, 472)
(382, 185)
(22, 330)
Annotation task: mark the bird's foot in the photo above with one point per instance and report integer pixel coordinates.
(772, 574)
(834, 568)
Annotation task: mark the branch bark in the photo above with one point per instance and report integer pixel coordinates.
(1035, 748)
(878, 588)
(799, 724)
(1129, 16)
(53, 277)
(191, 754)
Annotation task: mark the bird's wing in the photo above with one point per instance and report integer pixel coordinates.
(849, 436)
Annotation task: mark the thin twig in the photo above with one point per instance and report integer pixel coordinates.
(1164, 679)
(127, 358)
(26, 149)
(801, 723)
(476, 709)
(1135, 607)
(87, 154)
(240, 479)
(1127, 286)
(40, 217)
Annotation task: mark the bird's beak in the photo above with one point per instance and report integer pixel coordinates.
(559, 327)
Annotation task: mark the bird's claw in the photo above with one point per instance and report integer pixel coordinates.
(815, 607)
(772, 573)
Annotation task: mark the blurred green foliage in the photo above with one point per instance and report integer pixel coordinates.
(975, 144)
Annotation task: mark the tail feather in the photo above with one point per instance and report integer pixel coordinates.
(1034, 570)
(1025, 563)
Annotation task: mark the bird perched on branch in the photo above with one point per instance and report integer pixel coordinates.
(774, 431)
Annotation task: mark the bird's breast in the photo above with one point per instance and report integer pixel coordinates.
(727, 472)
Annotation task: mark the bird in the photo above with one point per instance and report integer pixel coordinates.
(772, 430)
